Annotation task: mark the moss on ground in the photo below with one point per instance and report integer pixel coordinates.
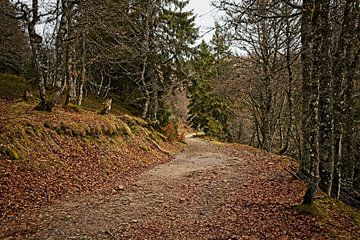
(331, 214)
(310, 209)
(29, 130)
(12, 153)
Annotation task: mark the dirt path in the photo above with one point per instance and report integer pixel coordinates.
(210, 191)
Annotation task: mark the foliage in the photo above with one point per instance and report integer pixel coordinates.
(207, 111)
(171, 132)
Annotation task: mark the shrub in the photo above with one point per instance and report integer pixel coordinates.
(171, 132)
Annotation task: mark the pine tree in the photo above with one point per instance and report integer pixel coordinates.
(207, 111)
(175, 32)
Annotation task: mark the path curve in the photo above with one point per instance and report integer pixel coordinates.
(209, 191)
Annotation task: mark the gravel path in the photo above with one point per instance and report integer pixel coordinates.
(210, 191)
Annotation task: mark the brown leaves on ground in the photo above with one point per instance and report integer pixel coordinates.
(210, 191)
(69, 185)
(57, 165)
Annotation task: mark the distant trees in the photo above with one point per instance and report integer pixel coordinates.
(271, 49)
(207, 110)
(14, 48)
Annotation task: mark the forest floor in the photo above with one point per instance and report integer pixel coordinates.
(209, 191)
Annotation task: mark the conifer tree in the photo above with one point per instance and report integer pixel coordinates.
(207, 111)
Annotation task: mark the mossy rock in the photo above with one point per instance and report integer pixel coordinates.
(356, 218)
(26, 134)
(110, 128)
(64, 129)
(72, 108)
(75, 132)
(29, 131)
(310, 209)
(11, 153)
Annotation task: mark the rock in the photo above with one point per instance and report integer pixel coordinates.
(121, 188)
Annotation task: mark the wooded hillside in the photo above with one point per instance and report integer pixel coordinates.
(84, 79)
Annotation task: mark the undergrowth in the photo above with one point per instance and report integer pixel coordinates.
(13, 87)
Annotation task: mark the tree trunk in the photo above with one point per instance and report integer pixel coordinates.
(310, 161)
(71, 76)
(35, 42)
(60, 82)
(308, 111)
(349, 160)
(323, 64)
(155, 101)
(290, 97)
(339, 69)
(83, 72)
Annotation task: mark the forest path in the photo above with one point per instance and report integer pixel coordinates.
(210, 191)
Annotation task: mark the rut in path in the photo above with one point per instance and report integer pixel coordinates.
(210, 191)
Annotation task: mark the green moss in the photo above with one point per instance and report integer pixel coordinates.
(132, 121)
(43, 166)
(124, 129)
(72, 108)
(26, 132)
(12, 153)
(110, 127)
(144, 148)
(30, 131)
(85, 128)
(158, 137)
(81, 129)
(356, 218)
(75, 132)
(94, 102)
(136, 129)
(154, 137)
(69, 132)
(310, 209)
(335, 210)
(96, 130)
